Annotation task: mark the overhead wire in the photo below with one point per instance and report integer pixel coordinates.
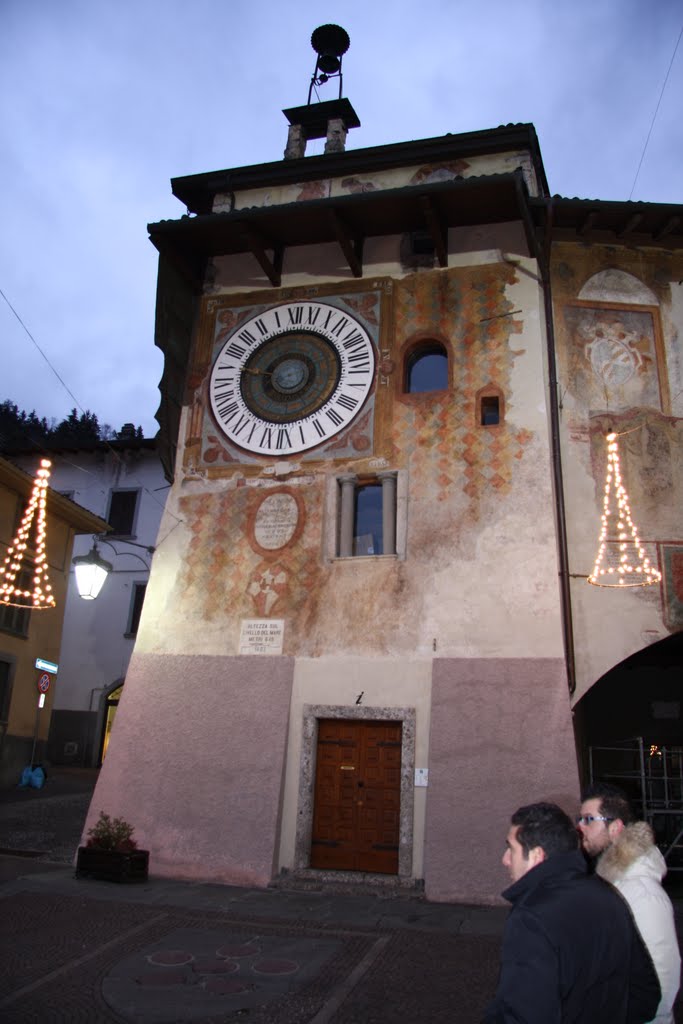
(57, 375)
(46, 450)
(654, 116)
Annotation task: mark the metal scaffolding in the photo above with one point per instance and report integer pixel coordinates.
(652, 778)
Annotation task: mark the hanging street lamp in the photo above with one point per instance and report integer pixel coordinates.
(91, 572)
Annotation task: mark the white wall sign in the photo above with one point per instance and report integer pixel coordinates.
(261, 636)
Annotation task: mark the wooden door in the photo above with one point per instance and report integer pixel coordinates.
(357, 796)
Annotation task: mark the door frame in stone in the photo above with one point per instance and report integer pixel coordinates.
(312, 713)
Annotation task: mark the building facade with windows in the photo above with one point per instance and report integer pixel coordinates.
(122, 482)
(25, 634)
(352, 640)
(369, 617)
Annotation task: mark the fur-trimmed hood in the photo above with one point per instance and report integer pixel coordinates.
(635, 853)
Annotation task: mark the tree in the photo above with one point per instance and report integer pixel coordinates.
(75, 429)
(21, 430)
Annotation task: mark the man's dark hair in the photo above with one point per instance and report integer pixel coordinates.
(545, 825)
(613, 801)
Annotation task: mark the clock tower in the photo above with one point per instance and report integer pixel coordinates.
(350, 661)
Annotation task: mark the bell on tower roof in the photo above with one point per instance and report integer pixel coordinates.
(330, 42)
(330, 119)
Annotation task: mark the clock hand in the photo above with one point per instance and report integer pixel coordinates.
(262, 373)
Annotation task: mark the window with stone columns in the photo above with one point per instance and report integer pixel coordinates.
(367, 515)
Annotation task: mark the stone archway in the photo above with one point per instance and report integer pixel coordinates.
(639, 698)
(630, 733)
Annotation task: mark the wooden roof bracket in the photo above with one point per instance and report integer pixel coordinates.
(667, 228)
(352, 248)
(438, 235)
(630, 224)
(272, 268)
(588, 223)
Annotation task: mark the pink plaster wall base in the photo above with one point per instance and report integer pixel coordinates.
(196, 763)
(501, 736)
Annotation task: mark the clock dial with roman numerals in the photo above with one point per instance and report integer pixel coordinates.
(291, 378)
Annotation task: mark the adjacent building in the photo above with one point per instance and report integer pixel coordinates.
(121, 481)
(30, 640)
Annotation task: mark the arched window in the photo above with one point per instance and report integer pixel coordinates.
(426, 368)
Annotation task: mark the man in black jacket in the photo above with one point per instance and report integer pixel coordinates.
(571, 954)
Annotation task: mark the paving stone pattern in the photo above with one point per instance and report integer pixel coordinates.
(169, 952)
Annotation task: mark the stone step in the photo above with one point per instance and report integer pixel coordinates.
(350, 883)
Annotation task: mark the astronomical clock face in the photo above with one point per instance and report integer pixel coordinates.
(291, 378)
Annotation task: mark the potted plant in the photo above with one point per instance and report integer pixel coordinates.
(111, 854)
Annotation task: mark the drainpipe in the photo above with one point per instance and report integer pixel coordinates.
(543, 258)
(542, 255)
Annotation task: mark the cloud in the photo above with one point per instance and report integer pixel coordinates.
(102, 102)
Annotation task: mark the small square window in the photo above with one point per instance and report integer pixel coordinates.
(490, 410)
(422, 243)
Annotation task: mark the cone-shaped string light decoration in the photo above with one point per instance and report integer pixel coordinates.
(622, 562)
(17, 562)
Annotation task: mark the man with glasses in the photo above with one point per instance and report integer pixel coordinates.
(624, 853)
(571, 952)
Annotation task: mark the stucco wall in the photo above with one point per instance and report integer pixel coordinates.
(196, 764)
(501, 737)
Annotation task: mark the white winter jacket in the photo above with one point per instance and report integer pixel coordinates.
(634, 865)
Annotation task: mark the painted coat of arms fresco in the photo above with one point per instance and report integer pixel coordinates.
(612, 357)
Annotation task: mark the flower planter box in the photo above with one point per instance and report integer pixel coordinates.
(112, 865)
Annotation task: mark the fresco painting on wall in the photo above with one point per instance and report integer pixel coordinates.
(613, 357)
(672, 583)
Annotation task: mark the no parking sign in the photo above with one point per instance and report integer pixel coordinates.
(44, 683)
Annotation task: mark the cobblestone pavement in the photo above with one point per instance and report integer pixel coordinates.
(47, 821)
(167, 952)
(164, 951)
(170, 952)
(49, 827)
